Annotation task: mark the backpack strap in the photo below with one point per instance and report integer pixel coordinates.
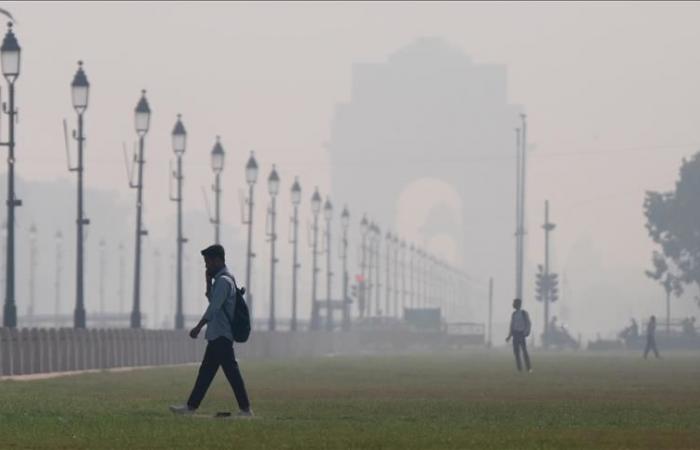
(229, 278)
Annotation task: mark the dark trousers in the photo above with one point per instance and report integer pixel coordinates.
(651, 345)
(518, 345)
(219, 352)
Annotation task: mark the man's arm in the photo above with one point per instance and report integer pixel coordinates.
(510, 329)
(217, 297)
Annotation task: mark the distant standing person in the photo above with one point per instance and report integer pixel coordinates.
(221, 293)
(519, 330)
(651, 338)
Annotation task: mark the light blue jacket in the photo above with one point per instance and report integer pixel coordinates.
(222, 295)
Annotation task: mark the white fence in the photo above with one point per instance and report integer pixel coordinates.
(41, 350)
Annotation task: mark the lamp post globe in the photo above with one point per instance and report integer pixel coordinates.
(142, 115)
(296, 192)
(10, 55)
(328, 210)
(179, 137)
(80, 88)
(316, 202)
(217, 156)
(273, 182)
(345, 218)
(251, 169)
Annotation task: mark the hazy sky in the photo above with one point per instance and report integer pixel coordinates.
(611, 91)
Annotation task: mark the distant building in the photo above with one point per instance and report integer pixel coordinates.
(430, 112)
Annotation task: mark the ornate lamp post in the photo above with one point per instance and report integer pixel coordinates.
(142, 120)
(345, 223)
(362, 288)
(387, 302)
(80, 88)
(32, 270)
(328, 215)
(273, 187)
(179, 136)
(10, 58)
(217, 165)
(251, 176)
(315, 209)
(296, 200)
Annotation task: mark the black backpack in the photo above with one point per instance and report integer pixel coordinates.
(240, 325)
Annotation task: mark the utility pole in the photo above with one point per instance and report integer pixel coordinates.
(548, 227)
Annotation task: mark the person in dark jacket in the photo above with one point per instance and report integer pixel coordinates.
(651, 338)
(221, 294)
(519, 330)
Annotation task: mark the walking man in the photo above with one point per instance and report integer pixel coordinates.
(651, 338)
(519, 331)
(221, 293)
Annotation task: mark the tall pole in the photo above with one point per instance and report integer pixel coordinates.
(412, 276)
(329, 272)
(249, 252)
(518, 226)
(397, 268)
(548, 227)
(217, 208)
(387, 301)
(370, 271)
(377, 271)
(489, 341)
(523, 167)
(314, 276)
(295, 264)
(273, 260)
(10, 312)
(79, 314)
(345, 222)
(136, 307)
(142, 123)
(179, 315)
(362, 285)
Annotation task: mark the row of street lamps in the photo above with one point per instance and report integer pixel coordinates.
(425, 269)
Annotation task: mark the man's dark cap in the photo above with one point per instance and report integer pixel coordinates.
(214, 251)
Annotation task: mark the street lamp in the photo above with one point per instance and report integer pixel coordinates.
(345, 224)
(315, 210)
(217, 165)
(179, 138)
(10, 58)
(328, 215)
(403, 278)
(273, 187)
(142, 119)
(362, 288)
(296, 200)
(251, 176)
(80, 89)
(397, 268)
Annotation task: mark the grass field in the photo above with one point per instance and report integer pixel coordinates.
(462, 401)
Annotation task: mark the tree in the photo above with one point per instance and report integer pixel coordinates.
(673, 222)
(670, 282)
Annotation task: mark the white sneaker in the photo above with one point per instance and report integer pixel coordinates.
(183, 410)
(248, 413)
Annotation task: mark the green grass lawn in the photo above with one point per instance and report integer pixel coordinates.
(470, 400)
